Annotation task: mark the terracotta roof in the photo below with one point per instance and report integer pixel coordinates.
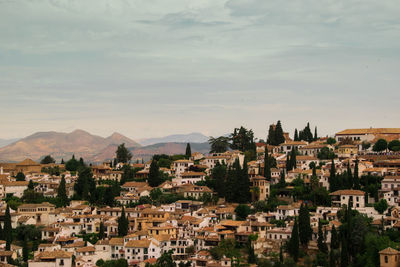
(389, 251)
(54, 254)
(116, 241)
(370, 131)
(138, 243)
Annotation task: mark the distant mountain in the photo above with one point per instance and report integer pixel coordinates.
(5, 142)
(176, 138)
(62, 145)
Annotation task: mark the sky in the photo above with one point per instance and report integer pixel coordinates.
(149, 68)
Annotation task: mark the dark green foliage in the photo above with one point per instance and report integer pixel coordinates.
(226, 247)
(243, 140)
(72, 165)
(20, 176)
(25, 250)
(271, 136)
(356, 180)
(381, 206)
(252, 258)
(47, 160)
(54, 170)
(394, 145)
(306, 135)
(31, 186)
(238, 183)
(380, 145)
(218, 174)
(315, 134)
(331, 141)
(112, 263)
(267, 164)
(219, 144)
(242, 211)
(123, 224)
(296, 135)
(326, 153)
(85, 185)
(275, 134)
(7, 228)
(282, 181)
(305, 231)
(155, 178)
(123, 154)
(101, 234)
(293, 243)
(322, 247)
(332, 178)
(188, 152)
(62, 192)
(165, 260)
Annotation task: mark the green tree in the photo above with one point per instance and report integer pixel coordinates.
(394, 145)
(218, 174)
(62, 192)
(267, 164)
(381, 206)
(219, 144)
(271, 135)
(47, 160)
(279, 137)
(242, 211)
(25, 250)
(166, 260)
(101, 234)
(72, 164)
(31, 186)
(356, 180)
(293, 244)
(326, 153)
(282, 181)
(188, 152)
(123, 224)
(20, 176)
(380, 145)
(315, 133)
(321, 239)
(7, 228)
(122, 154)
(154, 178)
(85, 185)
(331, 141)
(305, 231)
(296, 135)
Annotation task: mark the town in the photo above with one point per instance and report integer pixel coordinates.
(294, 199)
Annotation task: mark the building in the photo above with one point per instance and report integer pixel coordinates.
(342, 197)
(389, 257)
(56, 258)
(368, 134)
(260, 188)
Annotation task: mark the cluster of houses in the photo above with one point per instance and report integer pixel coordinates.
(190, 228)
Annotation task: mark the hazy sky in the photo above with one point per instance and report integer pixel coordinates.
(157, 67)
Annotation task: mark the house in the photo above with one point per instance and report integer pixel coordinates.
(43, 212)
(367, 134)
(58, 258)
(290, 145)
(342, 197)
(389, 257)
(260, 188)
(181, 166)
(347, 151)
(189, 178)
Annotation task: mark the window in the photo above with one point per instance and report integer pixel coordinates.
(386, 259)
(61, 262)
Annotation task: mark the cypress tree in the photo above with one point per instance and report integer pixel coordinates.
(31, 186)
(245, 184)
(1, 233)
(101, 234)
(315, 133)
(344, 257)
(62, 192)
(154, 174)
(356, 180)
(279, 137)
(288, 162)
(282, 181)
(25, 250)
(332, 178)
(296, 135)
(293, 161)
(267, 165)
(349, 176)
(62, 161)
(305, 231)
(293, 245)
(123, 224)
(218, 174)
(321, 240)
(188, 151)
(271, 136)
(7, 228)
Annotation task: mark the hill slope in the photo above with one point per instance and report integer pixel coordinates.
(62, 145)
(175, 138)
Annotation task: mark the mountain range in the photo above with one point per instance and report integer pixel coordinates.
(94, 148)
(175, 138)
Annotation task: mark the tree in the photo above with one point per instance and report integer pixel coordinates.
(218, 174)
(85, 185)
(166, 260)
(62, 161)
(326, 153)
(315, 133)
(242, 211)
(62, 192)
(122, 154)
(279, 137)
(394, 145)
(101, 234)
(332, 178)
(47, 160)
(188, 151)
(321, 239)
(267, 165)
(25, 250)
(154, 178)
(20, 176)
(31, 186)
(219, 144)
(271, 135)
(331, 141)
(243, 139)
(293, 244)
(305, 231)
(356, 180)
(72, 164)
(282, 181)
(7, 228)
(380, 145)
(381, 206)
(123, 224)
(296, 135)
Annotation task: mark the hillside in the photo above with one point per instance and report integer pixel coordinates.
(62, 145)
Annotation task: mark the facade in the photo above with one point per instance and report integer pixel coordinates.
(344, 197)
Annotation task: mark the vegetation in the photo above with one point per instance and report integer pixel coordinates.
(219, 144)
(123, 155)
(47, 160)
(380, 145)
(275, 134)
